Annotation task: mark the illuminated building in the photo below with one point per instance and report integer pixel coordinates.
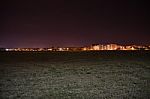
(111, 47)
(95, 47)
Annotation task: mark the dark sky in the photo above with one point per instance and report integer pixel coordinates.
(41, 23)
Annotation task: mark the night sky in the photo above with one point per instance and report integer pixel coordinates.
(41, 23)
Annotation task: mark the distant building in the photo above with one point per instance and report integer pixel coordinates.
(95, 47)
(104, 47)
(111, 47)
(49, 49)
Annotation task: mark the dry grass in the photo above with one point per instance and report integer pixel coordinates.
(75, 75)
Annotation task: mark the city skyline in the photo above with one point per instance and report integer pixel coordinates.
(73, 23)
(92, 47)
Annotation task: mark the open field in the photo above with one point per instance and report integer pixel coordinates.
(75, 75)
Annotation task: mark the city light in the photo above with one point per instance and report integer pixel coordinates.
(93, 47)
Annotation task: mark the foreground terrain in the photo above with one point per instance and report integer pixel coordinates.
(75, 75)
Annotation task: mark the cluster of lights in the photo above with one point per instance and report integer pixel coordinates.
(118, 47)
(89, 48)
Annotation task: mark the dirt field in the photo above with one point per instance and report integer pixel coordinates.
(75, 75)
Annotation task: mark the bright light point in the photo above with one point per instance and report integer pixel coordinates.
(7, 49)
